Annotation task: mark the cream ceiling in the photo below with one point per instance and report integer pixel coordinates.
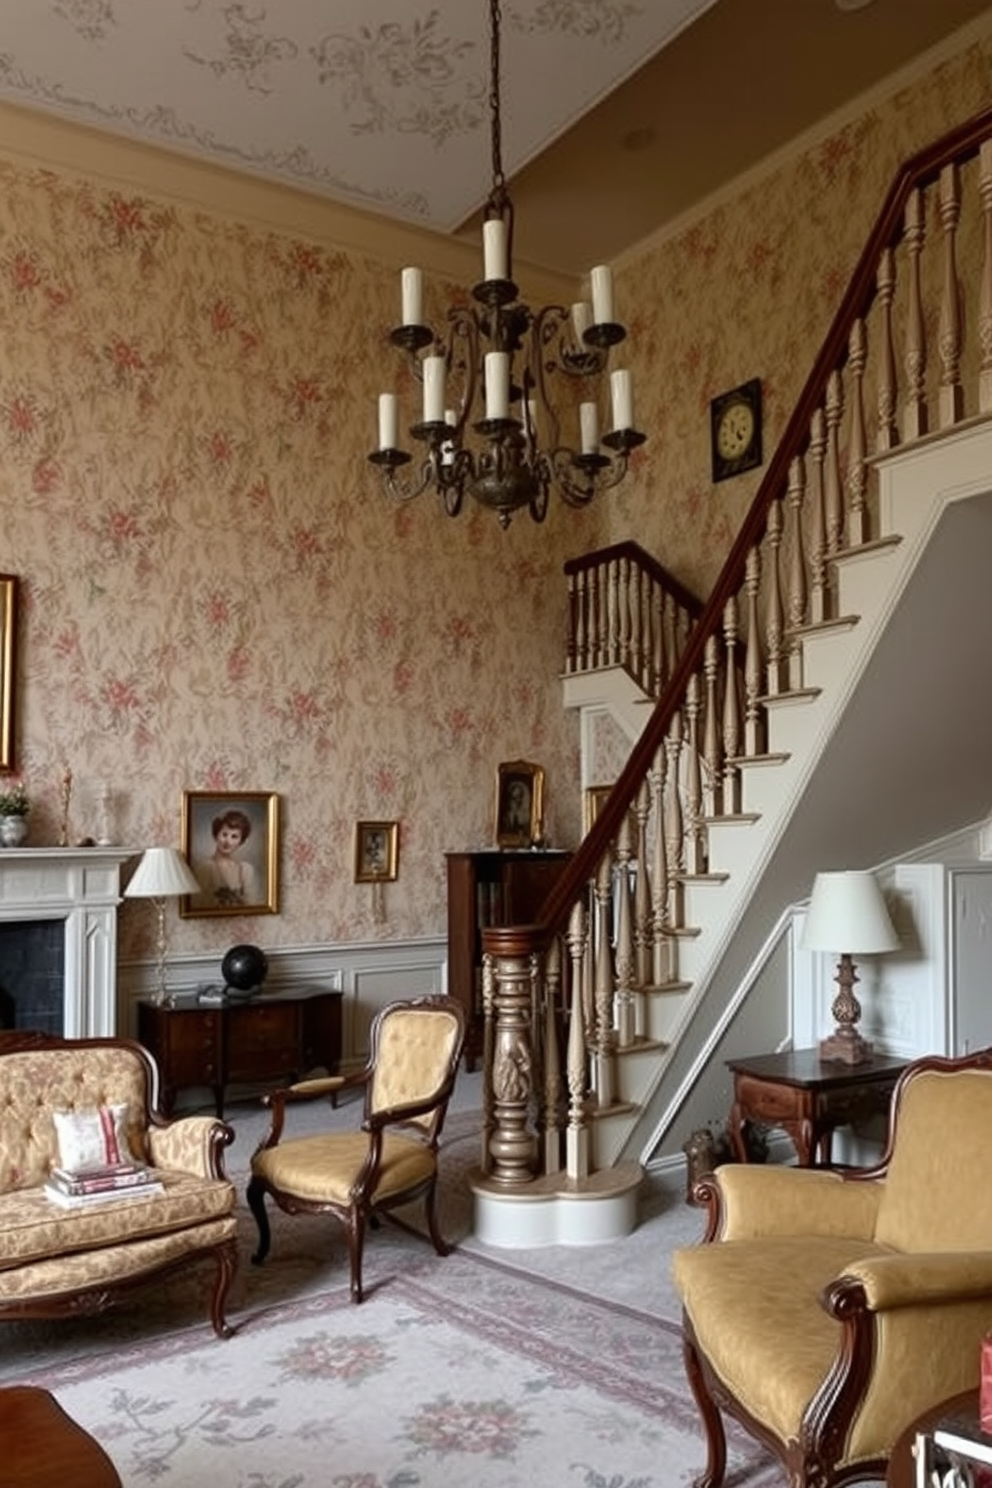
(617, 114)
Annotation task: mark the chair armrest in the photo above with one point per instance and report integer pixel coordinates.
(754, 1200)
(191, 1144)
(923, 1280)
(304, 1090)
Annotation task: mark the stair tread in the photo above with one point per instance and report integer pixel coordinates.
(702, 878)
(734, 819)
(779, 757)
(824, 627)
(793, 695)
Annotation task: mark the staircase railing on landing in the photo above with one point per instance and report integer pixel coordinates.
(577, 990)
(625, 609)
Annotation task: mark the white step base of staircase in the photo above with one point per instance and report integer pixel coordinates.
(556, 1210)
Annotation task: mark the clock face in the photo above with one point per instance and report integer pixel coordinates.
(735, 430)
(735, 427)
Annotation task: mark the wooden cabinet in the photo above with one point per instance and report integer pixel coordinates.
(490, 888)
(271, 1037)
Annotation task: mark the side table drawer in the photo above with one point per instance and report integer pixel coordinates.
(262, 1041)
(768, 1103)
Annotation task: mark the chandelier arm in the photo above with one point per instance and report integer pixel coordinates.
(463, 326)
(407, 490)
(601, 473)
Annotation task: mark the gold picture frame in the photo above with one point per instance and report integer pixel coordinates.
(8, 662)
(592, 805)
(377, 851)
(231, 841)
(519, 804)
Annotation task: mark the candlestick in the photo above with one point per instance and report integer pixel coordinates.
(66, 794)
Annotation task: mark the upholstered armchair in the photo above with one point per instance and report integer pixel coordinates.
(825, 1310)
(392, 1159)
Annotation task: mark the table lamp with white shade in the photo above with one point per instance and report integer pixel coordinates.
(162, 874)
(847, 909)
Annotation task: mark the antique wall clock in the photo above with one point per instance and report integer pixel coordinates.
(735, 430)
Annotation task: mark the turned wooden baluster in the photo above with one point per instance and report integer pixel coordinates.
(554, 1089)
(819, 602)
(624, 629)
(754, 715)
(857, 470)
(612, 647)
(695, 830)
(731, 713)
(624, 965)
(712, 782)
(985, 293)
(577, 1131)
(887, 436)
(798, 597)
(603, 958)
(662, 969)
(577, 660)
(636, 658)
(950, 398)
(774, 613)
(594, 591)
(674, 825)
(642, 888)
(672, 648)
(512, 1146)
(914, 413)
(833, 504)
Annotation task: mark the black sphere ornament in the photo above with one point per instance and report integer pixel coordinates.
(244, 969)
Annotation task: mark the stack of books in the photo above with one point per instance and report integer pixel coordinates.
(962, 1446)
(78, 1187)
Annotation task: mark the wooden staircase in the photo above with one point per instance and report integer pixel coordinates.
(634, 954)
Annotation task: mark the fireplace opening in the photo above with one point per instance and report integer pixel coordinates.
(32, 975)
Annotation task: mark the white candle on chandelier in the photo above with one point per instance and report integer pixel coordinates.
(602, 295)
(389, 421)
(581, 321)
(412, 284)
(622, 394)
(494, 255)
(589, 428)
(433, 389)
(497, 385)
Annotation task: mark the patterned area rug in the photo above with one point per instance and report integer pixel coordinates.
(453, 1374)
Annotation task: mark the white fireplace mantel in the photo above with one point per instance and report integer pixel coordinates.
(81, 887)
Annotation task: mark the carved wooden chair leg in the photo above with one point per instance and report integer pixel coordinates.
(256, 1203)
(227, 1262)
(716, 1440)
(356, 1245)
(430, 1205)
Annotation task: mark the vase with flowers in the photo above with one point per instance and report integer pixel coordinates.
(15, 804)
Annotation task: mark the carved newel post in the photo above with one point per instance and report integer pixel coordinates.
(512, 1146)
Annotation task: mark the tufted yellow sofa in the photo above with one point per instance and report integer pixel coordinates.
(826, 1310)
(55, 1261)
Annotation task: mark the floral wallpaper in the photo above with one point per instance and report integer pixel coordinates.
(216, 594)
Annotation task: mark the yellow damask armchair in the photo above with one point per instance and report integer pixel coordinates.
(826, 1310)
(392, 1159)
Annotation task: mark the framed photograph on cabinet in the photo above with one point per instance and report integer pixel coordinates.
(231, 841)
(377, 851)
(8, 661)
(519, 803)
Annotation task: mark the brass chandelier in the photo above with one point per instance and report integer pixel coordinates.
(489, 426)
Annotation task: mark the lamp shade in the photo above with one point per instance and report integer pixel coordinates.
(847, 915)
(163, 873)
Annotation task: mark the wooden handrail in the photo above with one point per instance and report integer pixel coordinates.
(920, 170)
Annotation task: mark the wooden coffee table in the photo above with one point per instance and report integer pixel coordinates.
(42, 1447)
(902, 1467)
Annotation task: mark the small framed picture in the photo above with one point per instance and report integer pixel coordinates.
(8, 661)
(231, 842)
(519, 803)
(377, 851)
(592, 804)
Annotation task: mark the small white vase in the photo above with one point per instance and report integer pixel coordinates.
(13, 830)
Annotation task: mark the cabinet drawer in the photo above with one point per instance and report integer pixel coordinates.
(262, 1041)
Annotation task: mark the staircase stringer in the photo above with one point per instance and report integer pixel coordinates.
(915, 487)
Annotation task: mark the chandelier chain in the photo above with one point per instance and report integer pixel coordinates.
(499, 180)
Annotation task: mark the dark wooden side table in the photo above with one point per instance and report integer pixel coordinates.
(902, 1465)
(808, 1097)
(42, 1447)
(268, 1038)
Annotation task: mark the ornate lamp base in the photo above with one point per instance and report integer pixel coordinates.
(845, 1045)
